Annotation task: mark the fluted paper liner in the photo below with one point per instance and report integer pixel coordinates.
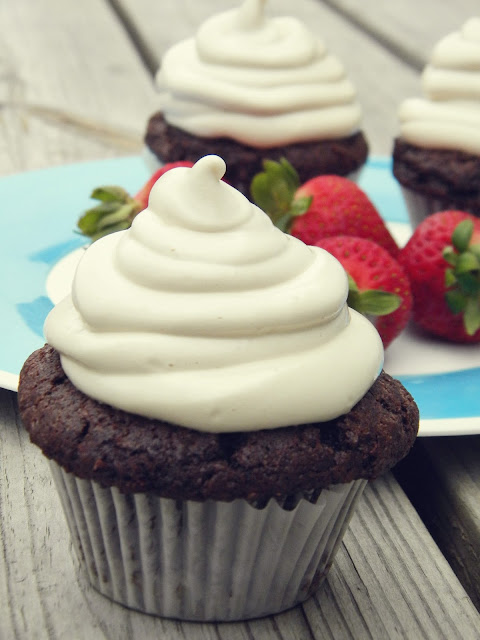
(420, 206)
(203, 560)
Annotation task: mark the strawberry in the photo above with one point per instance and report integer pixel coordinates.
(378, 285)
(442, 259)
(325, 206)
(117, 208)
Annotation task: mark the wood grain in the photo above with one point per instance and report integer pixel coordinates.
(72, 87)
(408, 31)
(442, 478)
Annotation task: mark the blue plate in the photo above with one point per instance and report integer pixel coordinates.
(38, 232)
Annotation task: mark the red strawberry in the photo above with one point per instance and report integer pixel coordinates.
(142, 195)
(325, 206)
(117, 208)
(379, 287)
(442, 259)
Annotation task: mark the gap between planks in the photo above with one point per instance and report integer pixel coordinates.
(145, 52)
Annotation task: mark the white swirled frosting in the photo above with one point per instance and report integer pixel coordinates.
(260, 81)
(206, 315)
(448, 117)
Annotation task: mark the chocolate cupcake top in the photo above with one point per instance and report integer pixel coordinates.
(135, 454)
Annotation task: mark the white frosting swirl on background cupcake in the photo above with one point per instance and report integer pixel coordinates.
(206, 315)
(449, 115)
(261, 81)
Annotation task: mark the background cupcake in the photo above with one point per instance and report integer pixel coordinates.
(211, 407)
(436, 157)
(247, 87)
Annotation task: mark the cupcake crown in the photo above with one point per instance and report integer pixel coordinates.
(206, 315)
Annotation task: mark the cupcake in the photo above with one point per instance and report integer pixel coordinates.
(436, 157)
(248, 87)
(210, 407)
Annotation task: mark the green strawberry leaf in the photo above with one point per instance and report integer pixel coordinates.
(462, 235)
(290, 173)
(264, 195)
(450, 278)
(467, 262)
(450, 255)
(462, 279)
(475, 249)
(352, 285)
(273, 190)
(468, 283)
(471, 316)
(120, 226)
(110, 194)
(283, 222)
(124, 213)
(116, 211)
(456, 300)
(378, 303)
(301, 205)
(371, 302)
(91, 218)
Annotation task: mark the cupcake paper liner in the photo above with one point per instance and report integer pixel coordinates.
(207, 560)
(420, 206)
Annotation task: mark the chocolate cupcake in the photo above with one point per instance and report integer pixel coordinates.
(138, 455)
(436, 158)
(247, 88)
(211, 407)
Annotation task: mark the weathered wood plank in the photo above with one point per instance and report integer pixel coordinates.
(380, 79)
(442, 478)
(390, 570)
(408, 30)
(389, 580)
(72, 86)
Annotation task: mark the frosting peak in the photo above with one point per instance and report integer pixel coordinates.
(262, 81)
(206, 315)
(197, 198)
(250, 15)
(244, 36)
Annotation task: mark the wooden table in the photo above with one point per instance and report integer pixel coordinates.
(76, 85)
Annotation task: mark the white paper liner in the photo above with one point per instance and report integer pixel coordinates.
(203, 560)
(420, 206)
